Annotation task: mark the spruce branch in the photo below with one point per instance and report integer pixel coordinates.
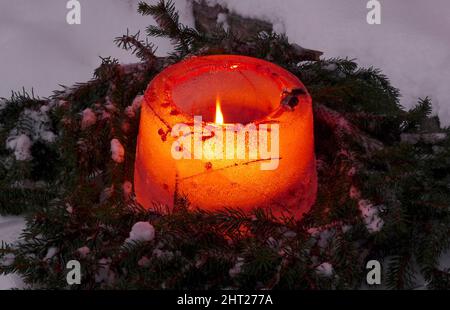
(169, 25)
(401, 272)
(142, 49)
(417, 115)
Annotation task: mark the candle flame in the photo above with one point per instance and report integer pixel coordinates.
(219, 115)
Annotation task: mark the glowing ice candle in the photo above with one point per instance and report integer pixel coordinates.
(227, 131)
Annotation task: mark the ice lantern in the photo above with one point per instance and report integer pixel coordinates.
(226, 90)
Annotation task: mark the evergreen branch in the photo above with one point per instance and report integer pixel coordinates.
(164, 13)
(401, 272)
(417, 115)
(167, 19)
(143, 49)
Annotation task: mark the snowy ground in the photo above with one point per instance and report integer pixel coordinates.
(40, 50)
(10, 229)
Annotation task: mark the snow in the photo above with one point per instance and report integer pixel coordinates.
(325, 270)
(10, 229)
(48, 136)
(322, 235)
(370, 215)
(144, 261)
(21, 146)
(351, 172)
(69, 209)
(165, 255)
(7, 260)
(104, 274)
(290, 234)
(51, 252)
(131, 110)
(84, 251)
(141, 232)
(88, 118)
(11, 281)
(2, 104)
(109, 105)
(117, 151)
(35, 126)
(444, 261)
(39, 121)
(222, 19)
(431, 138)
(236, 269)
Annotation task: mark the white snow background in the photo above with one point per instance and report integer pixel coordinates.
(39, 50)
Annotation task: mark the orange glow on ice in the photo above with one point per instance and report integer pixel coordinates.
(250, 90)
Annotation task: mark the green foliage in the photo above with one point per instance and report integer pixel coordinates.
(345, 87)
(82, 201)
(417, 115)
(24, 184)
(143, 49)
(412, 182)
(13, 107)
(169, 26)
